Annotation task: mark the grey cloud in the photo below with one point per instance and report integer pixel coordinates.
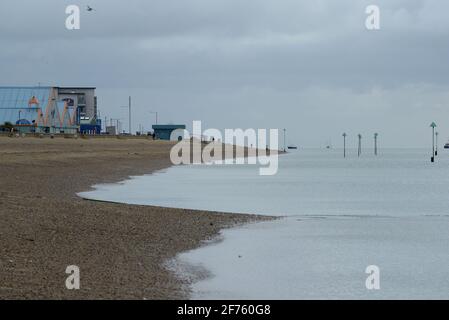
(282, 63)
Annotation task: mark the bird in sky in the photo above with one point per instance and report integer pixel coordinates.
(89, 8)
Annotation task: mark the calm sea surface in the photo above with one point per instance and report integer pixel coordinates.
(340, 215)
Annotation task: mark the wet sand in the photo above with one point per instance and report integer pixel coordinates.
(120, 249)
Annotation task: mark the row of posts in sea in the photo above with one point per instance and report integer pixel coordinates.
(359, 146)
(359, 149)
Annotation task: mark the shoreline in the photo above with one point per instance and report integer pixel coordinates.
(120, 249)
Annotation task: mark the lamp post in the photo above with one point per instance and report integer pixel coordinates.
(155, 113)
(129, 113)
(344, 145)
(433, 126)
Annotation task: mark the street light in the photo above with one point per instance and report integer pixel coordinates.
(154, 112)
(129, 113)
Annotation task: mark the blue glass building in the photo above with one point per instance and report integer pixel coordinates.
(47, 109)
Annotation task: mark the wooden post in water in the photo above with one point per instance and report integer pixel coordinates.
(359, 152)
(433, 126)
(375, 143)
(436, 143)
(285, 148)
(344, 145)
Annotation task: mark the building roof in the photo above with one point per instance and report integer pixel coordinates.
(26, 87)
(168, 126)
(47, 87)
(23, 122)
(75, 88)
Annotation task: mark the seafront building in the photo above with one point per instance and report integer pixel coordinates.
(50, 109)
(164, 131)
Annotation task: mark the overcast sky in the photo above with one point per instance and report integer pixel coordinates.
(309, 66)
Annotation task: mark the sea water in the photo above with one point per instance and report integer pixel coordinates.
(339, 217)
